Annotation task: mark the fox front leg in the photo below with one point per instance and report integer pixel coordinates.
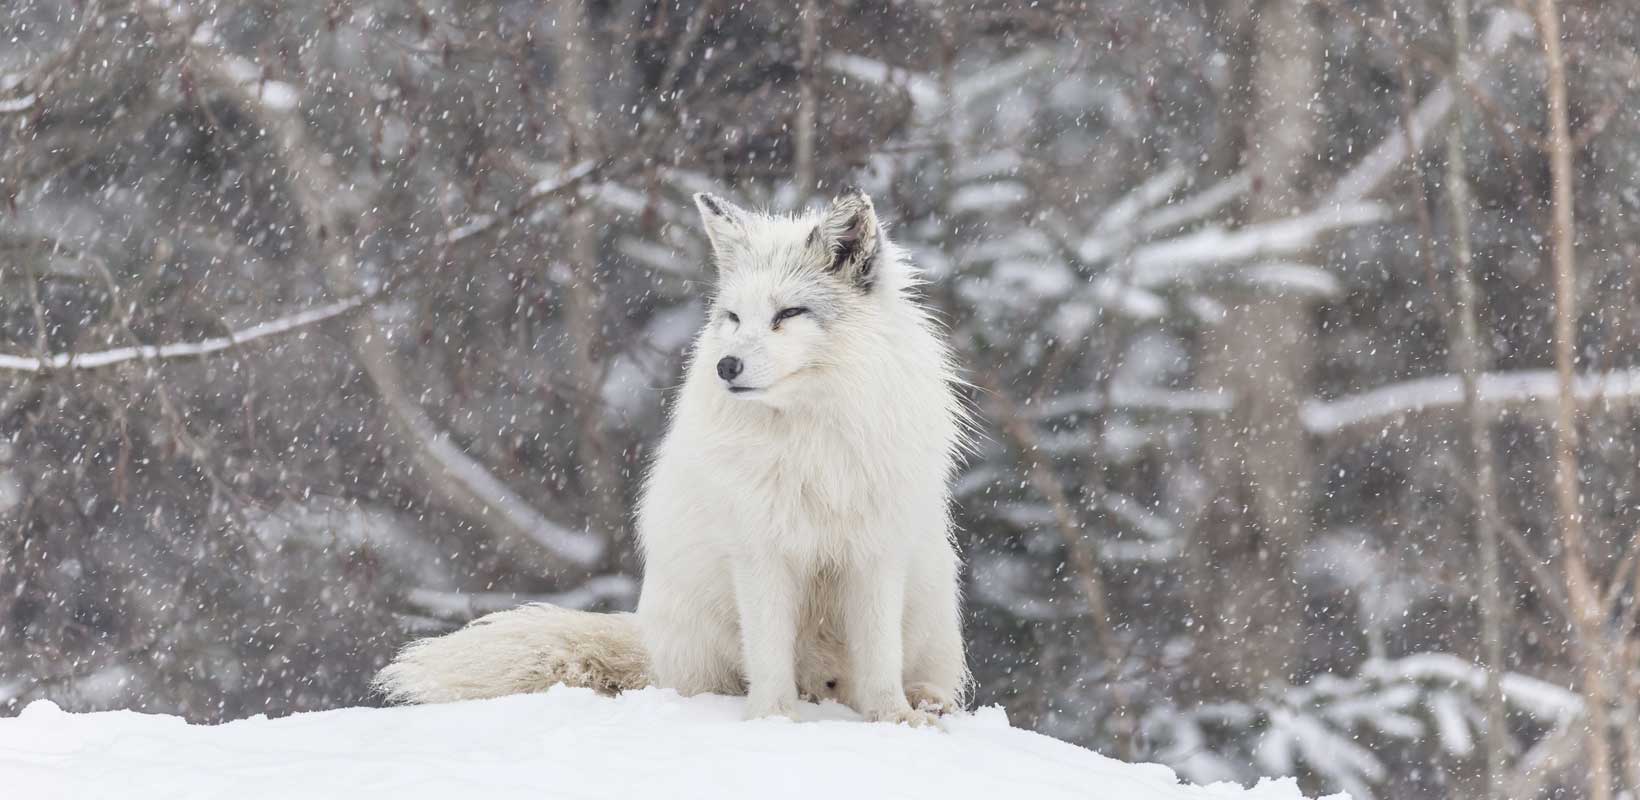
(767, 597)
(873, 600)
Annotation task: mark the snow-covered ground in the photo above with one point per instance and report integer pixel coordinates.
(568, 743)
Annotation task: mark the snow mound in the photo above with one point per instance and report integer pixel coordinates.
(566, 743)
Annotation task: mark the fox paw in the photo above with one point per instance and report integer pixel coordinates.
(764, 707)
(930, 698)
(916, 718)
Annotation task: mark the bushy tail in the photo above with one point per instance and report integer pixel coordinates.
(525, 649)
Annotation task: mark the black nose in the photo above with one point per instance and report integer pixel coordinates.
(729, 367)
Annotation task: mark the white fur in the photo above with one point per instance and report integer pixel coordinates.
(526, 649)
(796, 538)
(535, 647)
(820, 500)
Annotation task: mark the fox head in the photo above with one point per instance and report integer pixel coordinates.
(786, 289)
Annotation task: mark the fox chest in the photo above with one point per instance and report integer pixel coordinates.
(811, 499)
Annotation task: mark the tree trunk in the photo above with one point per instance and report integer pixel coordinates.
(1581, 593)
(598, 461)
(803, 169)
(1259, 454)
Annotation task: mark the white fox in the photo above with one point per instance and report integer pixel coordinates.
(795, 526)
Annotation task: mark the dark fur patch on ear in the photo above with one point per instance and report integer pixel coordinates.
(865, 278)
(713, 205)
(842, 252)
(724, 224)
(851, 233)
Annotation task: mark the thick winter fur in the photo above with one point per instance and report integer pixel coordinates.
(795, 525)
(535, 647)
(526, 649)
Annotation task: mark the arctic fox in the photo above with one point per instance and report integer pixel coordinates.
(795, 526)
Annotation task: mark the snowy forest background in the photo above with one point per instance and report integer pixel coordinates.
(1305, 348)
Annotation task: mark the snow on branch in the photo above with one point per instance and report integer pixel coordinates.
(923, 90)
(1292, 278)
(1153, 190)
(1131, 397)
(1003, 76)
(1428, 696)
(619, 589)
(1376, 166)
(1497, 389)
(1201, 205)
(1185, 257)
(1383, 160)
(118, 355)
(1375, 407)
(485, 494)
(548, 186)
(1121, 225)
(17, 105)
(1541, 699)
(276, 95)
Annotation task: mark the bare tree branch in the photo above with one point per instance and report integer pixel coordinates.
(203, 347)
(547, 188)
(448, 474)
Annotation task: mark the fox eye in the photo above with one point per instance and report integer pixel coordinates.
(732, 317)
(788, 313)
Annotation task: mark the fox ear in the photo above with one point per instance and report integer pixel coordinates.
(850, 239)
(724, 221)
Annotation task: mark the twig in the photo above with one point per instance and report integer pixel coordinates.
(1467, 352)
(679, 57)
(544, 190)
(1542, 579)
(1620, 577)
